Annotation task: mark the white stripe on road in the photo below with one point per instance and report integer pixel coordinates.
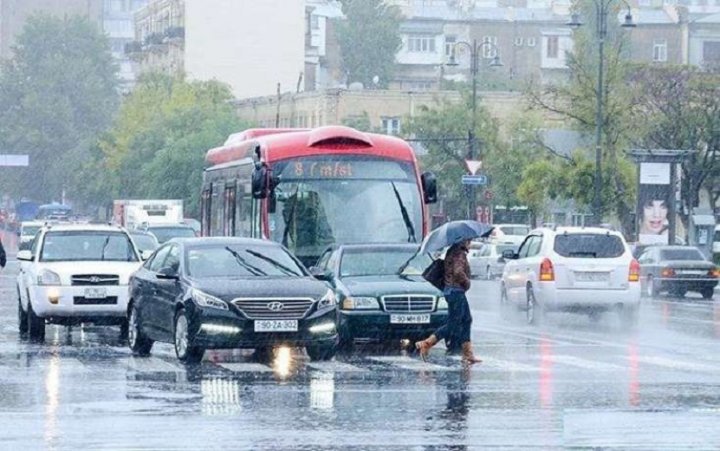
(513, 367)
(152, 365)
(248, 367)
(679, 364)
(407, 363)
(335, 367)
(585, 364)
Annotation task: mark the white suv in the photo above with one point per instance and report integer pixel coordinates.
(74, 274)
(572, 269)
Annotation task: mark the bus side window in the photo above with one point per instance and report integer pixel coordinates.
(229, 219)
(255, 218)
(216, 210)
(243, 210)
(205, 212)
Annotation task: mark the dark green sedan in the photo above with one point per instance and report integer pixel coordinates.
(376, 302)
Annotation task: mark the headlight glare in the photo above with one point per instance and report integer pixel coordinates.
(442, 303)
(47, 277)
(328, 300)
(205, 300)
(360, 303)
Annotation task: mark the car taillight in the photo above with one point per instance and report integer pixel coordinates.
(667, 272)
(634, 274)
(547, 273)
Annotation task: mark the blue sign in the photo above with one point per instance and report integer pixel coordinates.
(474, 179)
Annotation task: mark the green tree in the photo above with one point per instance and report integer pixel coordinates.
(58, 93)
(369, 38)
(576, 101)
(157, 146)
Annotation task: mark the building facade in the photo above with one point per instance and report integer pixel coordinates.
(119, 26)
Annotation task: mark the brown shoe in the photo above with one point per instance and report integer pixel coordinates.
(425, 345)
(468, 357)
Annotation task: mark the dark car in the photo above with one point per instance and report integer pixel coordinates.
(677, 270)
(212, 293)
(144, 241)
(375, 301)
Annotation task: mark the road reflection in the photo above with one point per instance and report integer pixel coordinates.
(52, 401)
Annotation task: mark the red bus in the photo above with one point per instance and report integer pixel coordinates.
(308, 189)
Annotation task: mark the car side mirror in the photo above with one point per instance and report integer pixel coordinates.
(509, 255)
(320, 274)
(429, 185)
(25, 256)
(146, 254)
(167, 274)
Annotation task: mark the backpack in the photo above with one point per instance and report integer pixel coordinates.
(435, 273)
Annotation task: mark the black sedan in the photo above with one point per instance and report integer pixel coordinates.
(211, 293)
(677, 270)
(377, 301)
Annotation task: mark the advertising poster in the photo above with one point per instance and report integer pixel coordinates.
(654, 198)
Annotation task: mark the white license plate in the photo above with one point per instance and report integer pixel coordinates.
(592, 276)
(95, 293)
(281, 325)
(692, 272)
(410, 319)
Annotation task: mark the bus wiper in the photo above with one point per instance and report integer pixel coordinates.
(291, 216)
(273, 262)
(405, 216)
(255, 271)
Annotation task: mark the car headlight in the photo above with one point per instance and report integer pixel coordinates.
(442, 303)
(328, 300)
(360, 303)
(47, 277)
(205, 300)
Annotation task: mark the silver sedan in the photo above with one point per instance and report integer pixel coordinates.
(487, 261)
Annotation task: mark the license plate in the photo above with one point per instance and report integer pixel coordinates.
(95, 293)
(282, 325)
(592, 276)
(692, 273)
(410, 319)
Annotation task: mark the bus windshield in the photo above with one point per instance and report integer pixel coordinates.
(321, 201)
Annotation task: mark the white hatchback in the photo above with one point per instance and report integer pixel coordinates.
(572, 269)
(74, 274)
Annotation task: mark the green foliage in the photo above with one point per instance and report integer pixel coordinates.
(369, 39)
(157, 146)
(358, 122)
(58, 93)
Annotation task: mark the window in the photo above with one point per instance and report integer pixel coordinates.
(535, 245)
(155, 264)
(531, 42)
(681, 255)
(421, 44)
(489, 48)
(589, 245)
(553, 49)
(314, 22)
(711, 52)
(173, 259)
(391, 125)
(449, 45)
(518, 42)
(660, 50)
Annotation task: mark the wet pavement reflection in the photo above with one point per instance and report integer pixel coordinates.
(571, 383)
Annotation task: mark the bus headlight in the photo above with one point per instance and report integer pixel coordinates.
(360, 303)
(442, 303)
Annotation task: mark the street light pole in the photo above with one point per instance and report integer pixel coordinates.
(473, 153)
(602, 9)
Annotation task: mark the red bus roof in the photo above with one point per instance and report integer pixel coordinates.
(280, 144)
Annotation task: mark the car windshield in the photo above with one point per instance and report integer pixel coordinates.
(345, 200)
(515, 230)
(30, 230)
(589, 245)
(164, 234)
(690, 254)
(237, 261)
(145, 242)
(87, 246)
(379, 262)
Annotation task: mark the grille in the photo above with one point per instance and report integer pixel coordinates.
(80, 300)
(95, 279)
(404, 304)
(261, 308)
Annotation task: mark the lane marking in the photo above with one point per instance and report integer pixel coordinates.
(336, 367)
(584, 364)
(678, 364)
(245, 367)
(508, 365)
(408, 363)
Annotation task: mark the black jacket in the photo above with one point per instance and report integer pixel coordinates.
(3, 258)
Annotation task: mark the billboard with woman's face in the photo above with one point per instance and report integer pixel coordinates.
(654, 197)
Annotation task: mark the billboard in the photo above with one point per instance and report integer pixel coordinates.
(654, 198)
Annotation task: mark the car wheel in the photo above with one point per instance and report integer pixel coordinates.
(707, 293)
(139, 344)
(321, 352)
(22, 317)
(533, 311)
(629, 317)
(184, 350)
(36, 325)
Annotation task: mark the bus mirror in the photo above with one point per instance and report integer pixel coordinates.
(429, 185)
(260, 182)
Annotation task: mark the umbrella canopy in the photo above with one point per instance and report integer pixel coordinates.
(454, 232)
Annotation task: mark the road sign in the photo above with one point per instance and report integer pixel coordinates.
(14, 160)
(474, 179)
(473, 166)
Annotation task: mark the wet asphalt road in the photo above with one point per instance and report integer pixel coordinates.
(571, 383)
